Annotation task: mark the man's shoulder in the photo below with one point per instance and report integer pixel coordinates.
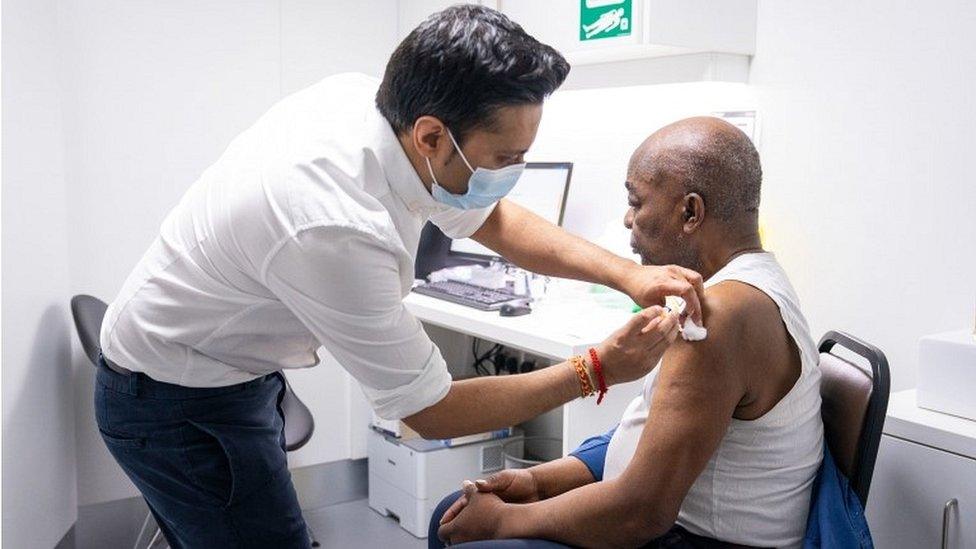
(737, 316)
(732, 307)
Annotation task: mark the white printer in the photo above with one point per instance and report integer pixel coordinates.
(408, 478)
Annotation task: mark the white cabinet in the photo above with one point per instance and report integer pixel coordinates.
(916, 477)
(656, 41)
(651, 28)
(912, 484)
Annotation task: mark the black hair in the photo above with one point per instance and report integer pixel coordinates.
(463, 63)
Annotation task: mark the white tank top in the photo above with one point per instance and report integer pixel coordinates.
(755, 489)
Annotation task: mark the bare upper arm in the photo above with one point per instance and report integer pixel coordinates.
(698, 388)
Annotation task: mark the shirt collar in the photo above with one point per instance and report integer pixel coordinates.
(399, 172)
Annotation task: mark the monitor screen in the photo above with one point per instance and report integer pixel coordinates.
(542, 188)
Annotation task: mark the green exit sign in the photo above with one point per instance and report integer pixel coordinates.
(605, 19)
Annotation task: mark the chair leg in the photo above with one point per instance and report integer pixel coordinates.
(157, 536)
(311, 536)
(142, 531)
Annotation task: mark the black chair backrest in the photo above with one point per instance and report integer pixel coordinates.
(854, 407)
(88, 313)
(299, 423)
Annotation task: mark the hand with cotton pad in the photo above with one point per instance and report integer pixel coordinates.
(692, 332)
(689, 330)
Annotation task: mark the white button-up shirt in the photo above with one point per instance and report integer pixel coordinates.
(303, 233)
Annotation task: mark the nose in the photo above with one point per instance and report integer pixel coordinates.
(629, 218)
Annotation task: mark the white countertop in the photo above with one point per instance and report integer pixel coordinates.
(554, 329)
(908, 421)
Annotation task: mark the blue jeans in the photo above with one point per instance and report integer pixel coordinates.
(210, 462)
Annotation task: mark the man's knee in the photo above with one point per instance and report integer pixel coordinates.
(433, 542)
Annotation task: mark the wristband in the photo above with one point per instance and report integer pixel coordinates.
(586, 388)
(598, 369)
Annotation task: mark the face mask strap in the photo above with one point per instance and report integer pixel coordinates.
(456, 146)
(431, 170)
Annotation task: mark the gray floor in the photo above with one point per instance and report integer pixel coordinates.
(354, 524)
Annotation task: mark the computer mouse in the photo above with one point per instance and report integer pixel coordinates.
(510, 309)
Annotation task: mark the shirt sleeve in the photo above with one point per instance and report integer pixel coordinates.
(345, 287)
(593, 453)
(457, 223)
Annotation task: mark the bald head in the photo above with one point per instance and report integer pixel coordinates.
(708, 156)
(693, 192)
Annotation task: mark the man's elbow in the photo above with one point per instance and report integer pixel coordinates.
(641, 527)
(644, 519)
(429, 428)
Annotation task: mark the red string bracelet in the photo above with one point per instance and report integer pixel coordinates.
(598, 370)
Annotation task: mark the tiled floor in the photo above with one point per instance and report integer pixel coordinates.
(354, 524)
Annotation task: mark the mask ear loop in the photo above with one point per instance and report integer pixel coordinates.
(456, 146)
(430, 169)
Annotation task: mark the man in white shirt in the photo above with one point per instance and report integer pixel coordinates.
(304, 233)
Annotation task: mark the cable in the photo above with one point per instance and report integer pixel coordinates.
(479, 361)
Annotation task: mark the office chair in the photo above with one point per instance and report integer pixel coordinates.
(855, 402)
(88, 313)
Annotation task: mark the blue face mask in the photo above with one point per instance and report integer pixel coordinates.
(485, 187)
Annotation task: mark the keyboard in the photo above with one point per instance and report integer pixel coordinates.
(462, 293)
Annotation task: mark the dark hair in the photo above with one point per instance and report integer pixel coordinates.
(463, 63)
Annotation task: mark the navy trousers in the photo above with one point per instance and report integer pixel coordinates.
(210, 462)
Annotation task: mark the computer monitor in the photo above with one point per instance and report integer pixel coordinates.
(542, 188)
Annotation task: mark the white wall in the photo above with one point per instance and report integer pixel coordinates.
(869, 200)
(154, 92)
(38, 449)
(599, 129)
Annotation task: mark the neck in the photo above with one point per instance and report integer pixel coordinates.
(416, 160)
(743, 242)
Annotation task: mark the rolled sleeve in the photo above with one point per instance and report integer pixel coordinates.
(345, 286)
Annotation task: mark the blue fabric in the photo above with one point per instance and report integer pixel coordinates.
(836, 516)
(593, 453)
(210, 462)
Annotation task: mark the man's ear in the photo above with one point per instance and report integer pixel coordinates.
(429, 136)
(694, 212)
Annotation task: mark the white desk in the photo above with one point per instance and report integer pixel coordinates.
(556, 329)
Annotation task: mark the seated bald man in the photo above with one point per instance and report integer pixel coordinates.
(723, 445)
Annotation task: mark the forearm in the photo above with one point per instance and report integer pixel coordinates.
(537, 245)
(601, 514)
(492, 402)
(560, 476)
